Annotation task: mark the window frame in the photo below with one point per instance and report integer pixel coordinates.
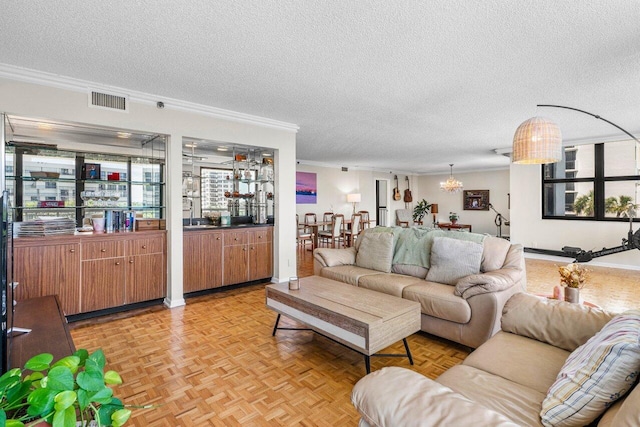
(599, 180)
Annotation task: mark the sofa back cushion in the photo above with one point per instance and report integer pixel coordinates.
(494, 253)
(453, 259)
(375, 251)
(554, 322)
(596, 374)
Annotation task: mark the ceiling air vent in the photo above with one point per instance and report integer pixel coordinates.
(108, 101)
(345, 169)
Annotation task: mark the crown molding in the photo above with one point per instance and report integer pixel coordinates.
(42, 78)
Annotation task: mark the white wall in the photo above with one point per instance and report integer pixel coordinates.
(39, 101)
(529, 229)
(497, 182)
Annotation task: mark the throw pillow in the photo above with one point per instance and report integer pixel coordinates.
(596, 374)
(375, 251)
(453, 259)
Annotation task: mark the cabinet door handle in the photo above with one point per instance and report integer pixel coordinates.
(235, 239)
(217, 238)
(117, 262)
(259, 237)
(144, 246)
(72, 250)
(244, 249)
(130, 261)
(103, 250)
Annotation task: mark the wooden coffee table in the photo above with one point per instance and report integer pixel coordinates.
(361, 319)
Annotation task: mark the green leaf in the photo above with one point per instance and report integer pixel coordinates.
(60, 378)
(71, 362)
(65, 399)
(112, 377)
(9, 377)
(41, 402)
(3, 417)
(98, 357)
(90, 381)
(66, 418)
(35, 376)
(13, 423)
(83, 399)
(120, 417)
(82, 354)
(102, 396)
(40, 362)
(18, 392)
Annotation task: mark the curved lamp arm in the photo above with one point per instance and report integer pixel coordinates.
(593, 115)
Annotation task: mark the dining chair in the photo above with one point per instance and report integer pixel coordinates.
(301, 235)
(326, 217)
(309, 218)
(336, 233)
(351, 235)
(365, 219)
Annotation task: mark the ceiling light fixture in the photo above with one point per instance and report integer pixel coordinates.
(539, 140)
(451, 185)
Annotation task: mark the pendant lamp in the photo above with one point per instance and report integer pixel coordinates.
(537, 141)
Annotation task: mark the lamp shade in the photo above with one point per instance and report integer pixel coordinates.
(537, 141)
(353, 198)
(434, 208)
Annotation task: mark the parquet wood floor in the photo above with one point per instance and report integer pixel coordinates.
(215, 363)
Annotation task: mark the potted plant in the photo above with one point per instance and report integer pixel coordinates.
(72, 391)
(420, 210)
(453, 217)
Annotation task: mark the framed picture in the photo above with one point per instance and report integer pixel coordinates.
(476, 200)
(90, 171)
(306, 188)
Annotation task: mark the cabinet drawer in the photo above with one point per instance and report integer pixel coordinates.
(102, 249)
(235, 238)
(260, 236)
(145, 246)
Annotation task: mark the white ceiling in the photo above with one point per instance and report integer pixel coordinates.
(403, 85)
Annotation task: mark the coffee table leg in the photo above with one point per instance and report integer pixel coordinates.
(367, 363)
(406, 347)
(275, 327)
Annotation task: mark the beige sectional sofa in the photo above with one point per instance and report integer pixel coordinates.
(461, 280)
(545, 348)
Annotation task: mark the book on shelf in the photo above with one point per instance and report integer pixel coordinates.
(119, 220)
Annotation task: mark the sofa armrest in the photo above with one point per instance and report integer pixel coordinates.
(492, 281)
(329, 257)
(396, 396)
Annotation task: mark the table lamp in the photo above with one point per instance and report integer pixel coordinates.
(434, 211)
(353, 198)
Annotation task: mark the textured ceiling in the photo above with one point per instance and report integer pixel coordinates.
(407, 85)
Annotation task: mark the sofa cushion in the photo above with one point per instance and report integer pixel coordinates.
(453, 259)
(438, 300)
(410, 270)
(391, 284)
(494, 253)
(346, 273)
(395, 396)
(554, 322)
(518, 403)
(596, 374)
(376, 251)
(537, 363)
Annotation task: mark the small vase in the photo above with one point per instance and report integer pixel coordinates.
(572, 295)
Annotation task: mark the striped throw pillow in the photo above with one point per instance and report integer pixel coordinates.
(596, 374)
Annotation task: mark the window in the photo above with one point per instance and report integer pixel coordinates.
(593, 181)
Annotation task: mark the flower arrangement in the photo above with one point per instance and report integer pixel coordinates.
(453, 216)
(573, 275)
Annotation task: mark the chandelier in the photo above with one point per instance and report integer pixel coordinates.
(452, 185)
